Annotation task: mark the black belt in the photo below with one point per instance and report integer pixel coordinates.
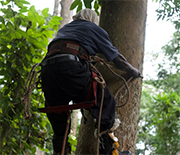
(59, 58)
(59, 45)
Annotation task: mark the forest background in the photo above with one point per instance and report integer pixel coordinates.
(159, 125)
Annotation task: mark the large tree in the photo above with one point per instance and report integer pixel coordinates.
(125, 23)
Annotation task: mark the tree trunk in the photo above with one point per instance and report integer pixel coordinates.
(125, 23)
(56, 8)
(66, 14)
(87, 143)
(74, 122)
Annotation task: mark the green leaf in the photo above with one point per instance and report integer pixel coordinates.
(41, 22)
(25, 2)
(57, 18)
(45, 12)
(48, 127)
(32, 8)
(30, 32)
(87, 3)
(159, 17)
(48, 33)
(79, 7)
(53, 23)
(44, 27)
(10, 25)
(24, 9)
(17, 35)
(38, 45)
(1, 19)
(75, 4)
(17, 21)
(96, 7)
(24, 34)
(19, 4)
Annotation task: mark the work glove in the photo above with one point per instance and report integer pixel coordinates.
(122, 64)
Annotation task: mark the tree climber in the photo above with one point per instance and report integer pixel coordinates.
(66, 75)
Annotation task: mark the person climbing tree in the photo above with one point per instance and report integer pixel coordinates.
(66, 75)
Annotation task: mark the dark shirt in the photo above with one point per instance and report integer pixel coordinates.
(90, 36)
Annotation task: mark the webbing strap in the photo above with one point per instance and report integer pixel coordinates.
(82, 105)
(94, 86)
(65, 108)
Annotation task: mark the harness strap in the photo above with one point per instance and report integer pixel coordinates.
(58, 46)
(82, 105)
(65, 108)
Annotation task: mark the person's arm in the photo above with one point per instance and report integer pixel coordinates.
(122, 64)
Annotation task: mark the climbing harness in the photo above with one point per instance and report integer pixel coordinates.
(97, 78)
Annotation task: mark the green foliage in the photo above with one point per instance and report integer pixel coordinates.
(169, 10)
(73, 141)
(78, 4)
(168, 71)
(166, 117)
(24, 37)
(159, 126)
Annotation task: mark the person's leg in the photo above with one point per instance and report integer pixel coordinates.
(108, 110)
(62, 83)
(59, 124)
(55, 96)
(107, 119)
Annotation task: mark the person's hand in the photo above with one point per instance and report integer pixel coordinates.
(135, 73)
(122, 64)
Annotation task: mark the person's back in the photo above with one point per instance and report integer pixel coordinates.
(88, 35)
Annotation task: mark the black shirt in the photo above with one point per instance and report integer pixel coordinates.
(88, 35)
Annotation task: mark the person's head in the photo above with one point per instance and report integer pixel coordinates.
(87, 14)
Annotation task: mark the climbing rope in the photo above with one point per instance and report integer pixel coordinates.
(100, 60)
(66, 132)
(29, 85)
(101, 81)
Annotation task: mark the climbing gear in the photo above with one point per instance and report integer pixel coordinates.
(29, 85)
(96, 59)
(59, 58)
(105, 144)
(55, 55)
(58, 47)
(66, 132)
(115, 147)
(96, 79)
(82, 105)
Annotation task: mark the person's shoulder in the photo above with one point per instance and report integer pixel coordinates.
(84, 22)
(89, 26)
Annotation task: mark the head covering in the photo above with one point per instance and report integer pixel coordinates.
(87, 14)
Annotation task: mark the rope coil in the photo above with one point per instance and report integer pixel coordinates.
(96, 59)
(29, 85)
